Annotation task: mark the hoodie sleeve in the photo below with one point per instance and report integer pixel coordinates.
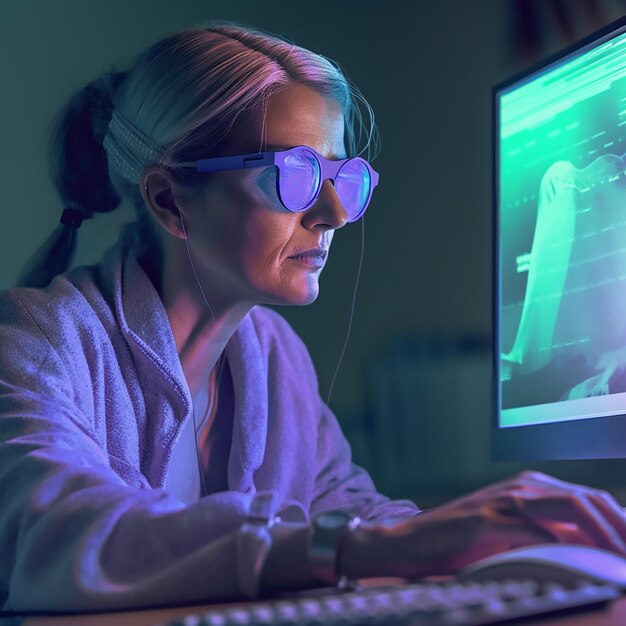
(340, 484)
(73, 535)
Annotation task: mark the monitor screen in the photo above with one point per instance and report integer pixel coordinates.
(560, 262)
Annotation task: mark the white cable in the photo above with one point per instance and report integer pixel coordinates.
(193, 269)
(356, 285)
(193, 412)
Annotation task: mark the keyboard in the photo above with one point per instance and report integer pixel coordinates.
(450, 604)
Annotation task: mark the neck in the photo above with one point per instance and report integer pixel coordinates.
(200, 336)
(200, 339)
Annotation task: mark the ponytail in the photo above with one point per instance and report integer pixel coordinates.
(181, 101)
(78, 167)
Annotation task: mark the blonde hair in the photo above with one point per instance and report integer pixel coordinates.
(183, 95)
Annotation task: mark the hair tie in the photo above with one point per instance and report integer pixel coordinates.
(72, 218)
(129, 149)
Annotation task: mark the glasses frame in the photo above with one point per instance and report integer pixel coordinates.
(329, 169)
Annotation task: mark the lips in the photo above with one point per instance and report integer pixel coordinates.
(313, 252)
(313, 258)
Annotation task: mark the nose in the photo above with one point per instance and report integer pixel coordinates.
(327, 210)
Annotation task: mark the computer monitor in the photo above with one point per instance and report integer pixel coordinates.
(560, 255)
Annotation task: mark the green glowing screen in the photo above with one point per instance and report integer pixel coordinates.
(562, 214)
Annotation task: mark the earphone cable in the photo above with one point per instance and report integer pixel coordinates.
(193, 269)
(356, 286)
(218, 378)
(220, 362)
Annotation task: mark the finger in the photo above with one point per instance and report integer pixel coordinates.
(532, 478)
(606, 500)
(611, 510)
(531, 481)
(604, 503)
(573, 518)
(595, 513)
(570, 512)
(527, 480)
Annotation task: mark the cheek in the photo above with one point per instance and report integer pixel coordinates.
(255, 238)
(267, 240)
(231, 225)
(219, 219)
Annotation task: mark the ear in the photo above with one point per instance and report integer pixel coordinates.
(161, 194)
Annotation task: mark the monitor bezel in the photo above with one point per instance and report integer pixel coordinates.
(595, 438)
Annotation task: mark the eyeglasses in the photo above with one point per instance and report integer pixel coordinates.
(301, 172)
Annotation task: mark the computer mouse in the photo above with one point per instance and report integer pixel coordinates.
(565, 564)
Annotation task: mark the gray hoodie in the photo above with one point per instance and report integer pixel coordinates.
(93, 402)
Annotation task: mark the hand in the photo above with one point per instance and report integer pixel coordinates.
(611, 362)
(526, 509)
(608, 364)
(595, 386)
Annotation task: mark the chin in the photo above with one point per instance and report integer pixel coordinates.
(310, 299)
(300, 296)
(308, 292)
(302, 299)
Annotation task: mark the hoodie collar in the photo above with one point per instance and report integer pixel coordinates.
(143, 320)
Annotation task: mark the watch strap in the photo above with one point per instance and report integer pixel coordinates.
(329, 532)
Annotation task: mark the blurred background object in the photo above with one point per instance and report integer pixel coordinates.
(541, 26)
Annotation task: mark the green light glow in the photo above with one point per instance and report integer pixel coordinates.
(562, 207)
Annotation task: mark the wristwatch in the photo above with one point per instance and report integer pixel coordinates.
(329, 531)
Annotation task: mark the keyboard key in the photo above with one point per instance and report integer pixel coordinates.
(456, 604)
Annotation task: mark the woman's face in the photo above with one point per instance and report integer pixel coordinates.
(238, 232)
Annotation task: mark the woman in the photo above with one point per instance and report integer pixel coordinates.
(164, 438)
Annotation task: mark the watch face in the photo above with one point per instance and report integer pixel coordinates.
(333, 519)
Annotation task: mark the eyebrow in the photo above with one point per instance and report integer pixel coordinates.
(271, 147)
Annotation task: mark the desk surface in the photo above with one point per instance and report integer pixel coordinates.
(613, 615)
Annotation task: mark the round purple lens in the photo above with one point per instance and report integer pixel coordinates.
(299, 179)
(353, 186)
